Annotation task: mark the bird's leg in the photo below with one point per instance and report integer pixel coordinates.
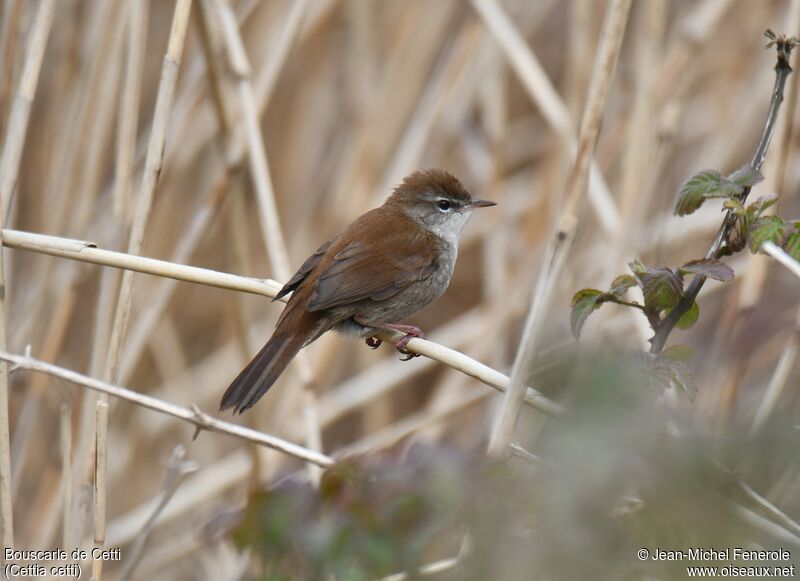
(410, 331)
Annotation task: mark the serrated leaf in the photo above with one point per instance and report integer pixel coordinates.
(711, 268)
(678, 352)
(689, 318)
(761, 204)
(746, 176)
(637, 267)
(584, 303)
(621, 284)
(705, 184)
(662, 288)
(766, 228)
(792, 246)
(736, 205)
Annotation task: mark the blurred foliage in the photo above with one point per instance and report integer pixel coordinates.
(619, 474)
(371, 516)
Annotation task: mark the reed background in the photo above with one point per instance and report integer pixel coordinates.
(351, 95)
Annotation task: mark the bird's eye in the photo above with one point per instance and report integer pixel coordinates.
(444, 205)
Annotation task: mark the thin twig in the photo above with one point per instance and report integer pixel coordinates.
(784, 48)
(555, 255)
(195, 493)
(199, 419)
(176, 468)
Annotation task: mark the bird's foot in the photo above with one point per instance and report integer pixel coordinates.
(410, 332)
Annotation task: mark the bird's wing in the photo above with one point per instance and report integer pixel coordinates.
(304, 269)
(377, 263)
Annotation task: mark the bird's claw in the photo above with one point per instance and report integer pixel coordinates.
(402, 343)
(408, 355)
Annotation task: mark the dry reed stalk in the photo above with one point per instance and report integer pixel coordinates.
(291, 32)
(129, 107)
(638, 159)
(28, 415)
(413, 45)
(265, 194)
(697, 28)
(380, 378)
(779, 378)
(103, 82)
(535, 80)
(103, 320)
(447, 79)
(66, 473)
(21, 110)
(12, 14)
(159, 298)
(195, 416)
(100, 471)
(93, 110)
(88, 252)
(461, 134)
(61, 187)
(558, 248)
(9, 172)
(578, 70)
(6, 507)
(782, 257)
(152, 170)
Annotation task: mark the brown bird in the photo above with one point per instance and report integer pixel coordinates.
(388, 264)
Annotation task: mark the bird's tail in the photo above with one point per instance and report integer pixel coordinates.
(259, 375)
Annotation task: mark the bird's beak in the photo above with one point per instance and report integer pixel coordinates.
(481, 204)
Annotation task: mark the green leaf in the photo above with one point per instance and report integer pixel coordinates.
(766, 228)
(637, 267)
(689, 318)
(678, 352)
(792, 246)
(746, 176)
(709, 267)
(736, 205)
(621, 284)
(758, 207)
(703, 185)
(662, 288)
(584, 303)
